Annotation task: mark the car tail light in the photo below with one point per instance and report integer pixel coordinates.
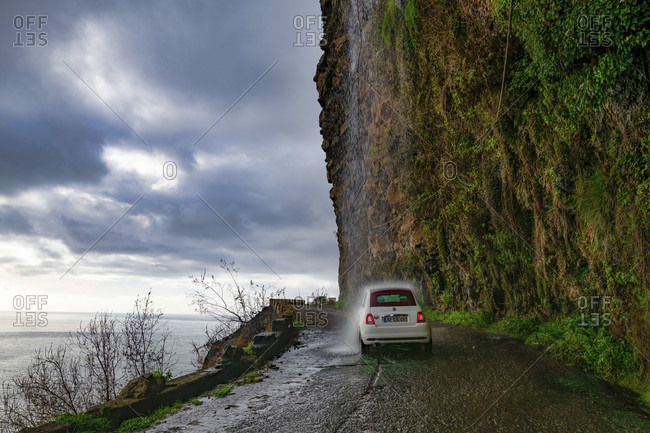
(421, 318)
(370, 320)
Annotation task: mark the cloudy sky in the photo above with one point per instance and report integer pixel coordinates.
(105, 129)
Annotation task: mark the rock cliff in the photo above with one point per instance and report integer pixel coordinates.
(357, 111)
(518, 187)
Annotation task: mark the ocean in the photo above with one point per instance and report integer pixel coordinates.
(18, 344)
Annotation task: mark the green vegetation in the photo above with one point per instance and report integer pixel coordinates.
(390, 26)
(158, 373)
(298, 325)
(465, 318)
(223, 391)
(250, 377)
(570, 340)
(525, 206)
(645, 394)
(249, 349)
(85, 423)
(400, 25)
(143, 422)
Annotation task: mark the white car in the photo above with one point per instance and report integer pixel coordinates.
(391, 316)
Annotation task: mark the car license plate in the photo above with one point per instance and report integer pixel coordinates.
(394, 319)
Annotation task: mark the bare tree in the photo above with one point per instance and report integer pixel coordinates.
(100, 344)
(147, 339)
(232, 304)
(55, 382)
(15, 413)
(212, 336)
(88, 369)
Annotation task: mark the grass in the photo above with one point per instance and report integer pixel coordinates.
(479, 320)
(223, 391)
(251, 377)
(589, 348)
(85, 423)
(645, 395)
(143, 422)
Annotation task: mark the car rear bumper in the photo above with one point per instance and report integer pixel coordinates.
(371, 334)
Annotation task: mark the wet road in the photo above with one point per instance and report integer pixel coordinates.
(473, 382)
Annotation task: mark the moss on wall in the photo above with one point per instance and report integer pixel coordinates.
(529, 208)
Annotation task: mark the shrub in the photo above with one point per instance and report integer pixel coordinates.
(158, 373)
(590, 348)
(479, 319)
(249, 349)
(518, 326)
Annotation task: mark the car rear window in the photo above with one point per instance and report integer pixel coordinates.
(391, 298)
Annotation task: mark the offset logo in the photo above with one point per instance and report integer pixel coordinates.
(311, 310)
(593, 308)
(594, 31)
(170, 170)
(309, 31)
(29, 311)
(449, 170)
(29, 30)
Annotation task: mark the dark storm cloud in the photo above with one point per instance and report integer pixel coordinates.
(193, 55)
(48, 149)
(14, 222)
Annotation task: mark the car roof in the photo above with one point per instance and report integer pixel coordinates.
(382, 289)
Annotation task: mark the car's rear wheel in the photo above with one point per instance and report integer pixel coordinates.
(365, 349)
(427, 347)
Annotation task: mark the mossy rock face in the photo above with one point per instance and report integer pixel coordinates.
(233, 354)
(143, 386)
